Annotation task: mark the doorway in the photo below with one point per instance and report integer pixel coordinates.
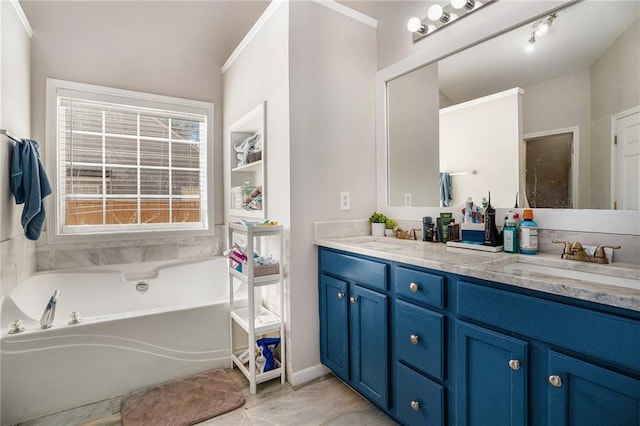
(625, 177)
(549, 167)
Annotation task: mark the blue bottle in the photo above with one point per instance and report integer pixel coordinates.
(528, 234)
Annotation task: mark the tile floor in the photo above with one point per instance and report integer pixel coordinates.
(325, 401)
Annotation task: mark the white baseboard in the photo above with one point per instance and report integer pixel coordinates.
(308, 374)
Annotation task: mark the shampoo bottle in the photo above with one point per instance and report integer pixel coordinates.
(528, 234)
(491, 235)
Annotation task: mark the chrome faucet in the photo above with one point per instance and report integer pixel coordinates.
(46, 321)
(575, 251)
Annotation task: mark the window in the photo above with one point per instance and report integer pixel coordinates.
(128, 161)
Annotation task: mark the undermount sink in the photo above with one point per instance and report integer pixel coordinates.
(599, 274)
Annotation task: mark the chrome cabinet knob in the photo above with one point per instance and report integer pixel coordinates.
(555, 381)
(340, 295)
(514, 364)
(414, 339)
(353, 299)
(415, 405)
(414, 287)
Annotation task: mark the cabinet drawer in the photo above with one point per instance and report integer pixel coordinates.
(419, 338)
(421, 287)
(585, 331)
(419, 401)
(367, 272)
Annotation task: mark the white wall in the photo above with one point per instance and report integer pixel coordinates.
(491, 133)
(17, 255)
(332, 74)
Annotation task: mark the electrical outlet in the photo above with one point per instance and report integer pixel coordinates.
(407, 199)
(345, 200)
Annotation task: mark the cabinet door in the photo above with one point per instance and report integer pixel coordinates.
(584, 394)
(334, 349)
(369, 356)
(491, 377)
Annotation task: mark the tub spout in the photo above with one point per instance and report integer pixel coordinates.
(46, 321)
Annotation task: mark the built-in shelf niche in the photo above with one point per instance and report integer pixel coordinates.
(254, 172)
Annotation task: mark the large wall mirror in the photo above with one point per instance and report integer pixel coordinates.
(536, 125)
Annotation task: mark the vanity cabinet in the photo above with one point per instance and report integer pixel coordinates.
(354, 322)
(433, 348)
(570, 365)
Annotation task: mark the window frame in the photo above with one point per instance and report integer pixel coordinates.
(56, 88)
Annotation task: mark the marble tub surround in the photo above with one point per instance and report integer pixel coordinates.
(78, 255)
(492, 267)
(17, 262)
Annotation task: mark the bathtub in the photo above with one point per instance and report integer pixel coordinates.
(128, 338)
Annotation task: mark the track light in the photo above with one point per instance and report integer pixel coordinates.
(540, 28)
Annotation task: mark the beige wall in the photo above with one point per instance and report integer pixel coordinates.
(615, 87)
(17, 254)
(332, 75)
(413, 153)
(560, 103)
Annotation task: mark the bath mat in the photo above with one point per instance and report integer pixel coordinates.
(182, 402)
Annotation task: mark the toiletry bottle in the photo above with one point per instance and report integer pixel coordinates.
(510, 234)
(528, 234)
(468, 209)
(491, 235)
(426, 223)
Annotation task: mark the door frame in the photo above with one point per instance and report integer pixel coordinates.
(614, 150)
(575, 148)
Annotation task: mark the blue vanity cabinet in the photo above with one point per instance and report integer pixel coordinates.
(491, 377)
(419, 341)
(354, 330)
(581, 393)
(578, 363)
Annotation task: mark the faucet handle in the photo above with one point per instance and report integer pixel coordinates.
(601, 255)
(567, 246)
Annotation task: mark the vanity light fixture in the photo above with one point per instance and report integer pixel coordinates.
(438, 16)
(540, 28)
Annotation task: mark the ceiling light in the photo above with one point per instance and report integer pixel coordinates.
(531, 45)
(440, 15)
(540, 28)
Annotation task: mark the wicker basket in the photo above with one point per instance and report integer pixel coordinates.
(261, 271)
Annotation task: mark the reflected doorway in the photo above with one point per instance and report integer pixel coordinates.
(549, 170)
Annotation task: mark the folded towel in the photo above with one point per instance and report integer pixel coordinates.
(445, 190)
(29, 185)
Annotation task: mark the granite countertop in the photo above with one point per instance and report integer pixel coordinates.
(614, 285)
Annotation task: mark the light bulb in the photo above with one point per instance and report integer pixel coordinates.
(458, 4)
(414, 24)
(530, 47)
(435, 12)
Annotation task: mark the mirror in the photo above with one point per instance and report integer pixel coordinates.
(475, 115)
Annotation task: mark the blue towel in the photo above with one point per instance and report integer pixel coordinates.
(29, 185)
(445, 190)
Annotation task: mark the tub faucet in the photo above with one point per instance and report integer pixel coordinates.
(49, 313)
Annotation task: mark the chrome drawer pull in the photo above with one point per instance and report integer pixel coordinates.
(340, 295)
(514, 364)
(555, 381)
(353, 299)
(414, 287)
(414, 339)
(415, 405)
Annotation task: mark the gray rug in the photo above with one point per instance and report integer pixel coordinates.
(185, 401)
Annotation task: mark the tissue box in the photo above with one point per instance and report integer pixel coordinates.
(473, 232)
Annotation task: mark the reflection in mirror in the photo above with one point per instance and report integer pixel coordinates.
(576, 80)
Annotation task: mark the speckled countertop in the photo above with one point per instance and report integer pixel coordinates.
(615, 285)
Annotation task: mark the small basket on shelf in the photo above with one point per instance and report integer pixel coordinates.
(262, 270)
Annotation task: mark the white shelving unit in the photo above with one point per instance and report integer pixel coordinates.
(254, 319)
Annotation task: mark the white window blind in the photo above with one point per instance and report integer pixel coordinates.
(127, 168)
